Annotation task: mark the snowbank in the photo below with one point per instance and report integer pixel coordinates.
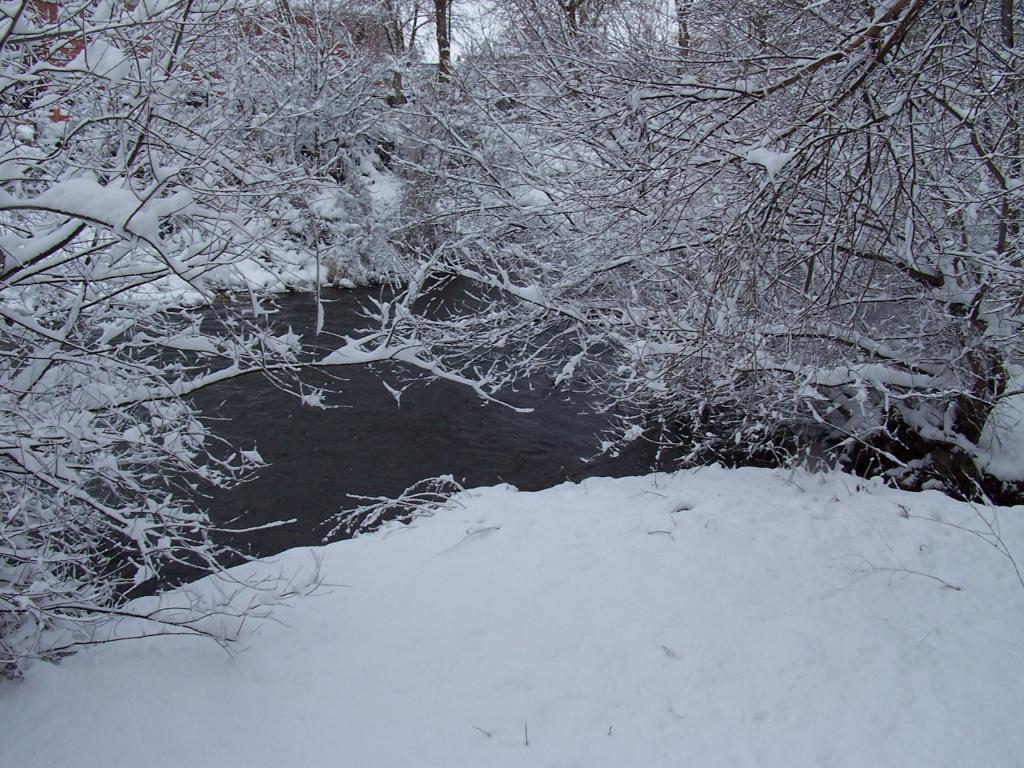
(1001, 449)
(712, 618)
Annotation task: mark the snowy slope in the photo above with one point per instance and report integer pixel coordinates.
(713, 618)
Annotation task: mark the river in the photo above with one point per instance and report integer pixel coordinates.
(370, 445)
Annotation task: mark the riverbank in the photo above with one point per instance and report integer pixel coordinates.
(710, 618)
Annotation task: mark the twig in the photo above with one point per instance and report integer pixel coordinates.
(991, 536)
(422, 498)
(872, 568)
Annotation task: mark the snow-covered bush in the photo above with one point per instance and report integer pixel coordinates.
(753, 226)
(303, 86)
(133, 186)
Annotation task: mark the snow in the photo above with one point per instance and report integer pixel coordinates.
(287, 268)
(117, 207)
(384, 189)
(771, 161)
(190, 342)
(532, 198)
(101, 59)
(708, 618)
(1001, 448)
(147, 10)
(25, 133)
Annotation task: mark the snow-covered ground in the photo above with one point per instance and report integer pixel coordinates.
(708, 618)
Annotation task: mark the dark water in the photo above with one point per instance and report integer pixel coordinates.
(370, 445)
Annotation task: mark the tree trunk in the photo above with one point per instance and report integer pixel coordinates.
(1007, 23)
(683, 28)
(442, 9)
